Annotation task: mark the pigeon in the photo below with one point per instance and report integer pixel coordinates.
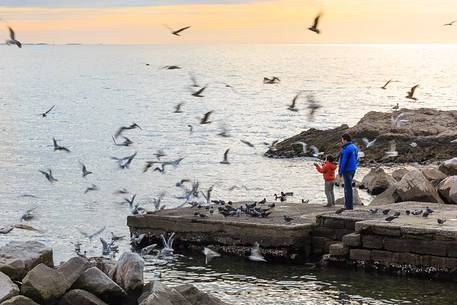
(374, 211)
(390, 218)
(429, 210)
(13, 39)
(287, 218)
(410, 94)
(339, 211)
(386, 211)
(441, 221)
(416, 212)
(256, 255)
(314, 28)
(425, 214)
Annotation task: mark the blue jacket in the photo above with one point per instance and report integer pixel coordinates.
(348, 158)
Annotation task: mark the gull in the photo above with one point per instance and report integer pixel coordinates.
(385, 85)
(225, 133)
(12, 39)
(106, 248)
(205, 119)
(287, 219)
(149, 249)
(123, 128)
(368, 143)
(191, 128)
(399, 120)
(136, 240)
(410, 94)
(159, 154)
(28, 214)
(130, 201)
(181, 183)
(167, 245)
(292, 107)
(148, 165)
(157, 201)
(45, 114)
(199, 92)
(314, 28)
(172, 67)
(121, 191)
(247, 143)
(313, 106)
(208, 194)
(225, 161)
(209, 254)
(273, 80)
(136, 209)
(413, 144)
(396, 107)
(393, 150)
(303, 146)
(454, 141)
(316, 152)
(93, 187)
(194, 80)
(450, 23)
(84, 170)
(116, 237)
(49, 175)
(127, 142)
(58, 147)
(256, 256)
(125, 161)
(178, 108)
(177, 32)
(91, 236)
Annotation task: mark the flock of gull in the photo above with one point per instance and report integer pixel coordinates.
(191, 189)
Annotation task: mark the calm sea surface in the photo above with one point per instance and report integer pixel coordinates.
(97, 89)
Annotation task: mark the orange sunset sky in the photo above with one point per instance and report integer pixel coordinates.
(274, 21)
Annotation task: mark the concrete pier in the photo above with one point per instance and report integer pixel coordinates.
(407, 245)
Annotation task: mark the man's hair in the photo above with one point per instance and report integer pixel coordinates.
(346, 137)
(330, 158)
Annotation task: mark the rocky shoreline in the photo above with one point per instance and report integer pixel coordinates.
(28, 277)
(421, 136)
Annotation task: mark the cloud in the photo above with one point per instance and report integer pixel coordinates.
(108, 3)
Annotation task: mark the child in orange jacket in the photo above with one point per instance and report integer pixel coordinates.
(328, 171)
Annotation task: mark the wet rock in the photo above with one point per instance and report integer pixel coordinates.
(448, 189)
(19, 300)
(128, 272)
(106, 265)
(377, 181)
(73, 269)
(44, 285)
(156, 293)
(431, 129)
(449, 167)
(99, 284)
(18, 257)
(7, 288)
(388, 196)
(415, 187)
(433, 174)
(197, 297)
(399, 173)
(355, 197)
(80, 297)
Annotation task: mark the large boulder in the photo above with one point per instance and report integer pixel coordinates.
(156, 293)
(449, 167)
(377, 181)
(19, 257)
(399, 173)
(19, 300)
(44, 285)
(448, 189)
(388, 196)
(7, 288)
(73, 269)
(197, 297)
(355, 198)
(99, 284)
(80, 297)
(128, 272)
(433, 174)
(415, 187)
(102, 263)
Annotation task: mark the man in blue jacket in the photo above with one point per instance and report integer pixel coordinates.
(347, 167)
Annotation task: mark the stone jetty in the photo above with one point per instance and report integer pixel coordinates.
(28, 276)
(424, 136)
(410, 227)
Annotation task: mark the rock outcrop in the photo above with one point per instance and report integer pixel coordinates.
(433, 174)
(399, 173)
(449, 167)
(377, 181)
(156, 293)
(80, 297)
(432, 130)
(448, 189)
(44, 285)
(197, 297)
(7, 288)
(415, 187)
(19, 300)
(128, 272)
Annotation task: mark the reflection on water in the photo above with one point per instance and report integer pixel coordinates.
(97, 89)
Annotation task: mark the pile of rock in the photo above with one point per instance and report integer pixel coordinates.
(436, 184)
(28, 277)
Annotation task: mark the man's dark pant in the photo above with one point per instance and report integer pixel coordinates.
(348, 176)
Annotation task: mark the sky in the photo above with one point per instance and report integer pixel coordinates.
(230, 21)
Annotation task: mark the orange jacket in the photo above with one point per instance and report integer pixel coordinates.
(328, 170)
